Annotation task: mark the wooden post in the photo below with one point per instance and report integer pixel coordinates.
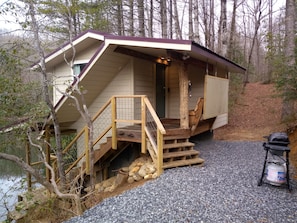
(48, 152)
(143, 123)
(160, 152)
(87, 150)
(113, 123)
(28, 160)
(184, 96)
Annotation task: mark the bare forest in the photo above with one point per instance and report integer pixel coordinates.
(258, 35)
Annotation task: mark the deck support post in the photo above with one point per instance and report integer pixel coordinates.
(143, 123)
(113, 123)
(28, 160)
(48, 152)
(160, 152)
(87, 151)
(184, 95)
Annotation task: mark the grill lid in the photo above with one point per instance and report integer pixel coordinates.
(278, 138)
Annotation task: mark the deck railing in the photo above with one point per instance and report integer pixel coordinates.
(120, 111)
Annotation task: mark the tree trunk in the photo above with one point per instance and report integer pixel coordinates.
(196, 36)
(141, 18)
(120, 25)
(150, 19)
(176, 21)
(163, 11)
(205, 23)
(232, 32)
(46, 91)
(268, 76)
(211, 25)
(191, 28)
(257, 23)
(131, 18)
(288, 105)
(222, 33)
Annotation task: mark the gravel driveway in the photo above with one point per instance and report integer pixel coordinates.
(223, 190)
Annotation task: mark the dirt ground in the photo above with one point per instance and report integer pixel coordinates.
(256, 113)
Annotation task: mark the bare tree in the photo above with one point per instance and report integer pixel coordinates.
(268, 76)
(288, 105)
(164, 21)
(232, 31)
(191, 27)
(257, 22)
(150, 16)
(120, 18)
(178, 31)
(141, 18)
(222, 33)
(131, 18)
(211, 25)
(46, 91)
(196, 36)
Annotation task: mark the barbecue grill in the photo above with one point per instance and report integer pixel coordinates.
(276, 163)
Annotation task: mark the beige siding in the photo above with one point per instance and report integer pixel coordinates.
(220, 121)
(62, 78)
(215, 97)
(144, 78)
(144, 83)
(121, 84)
(62, 73)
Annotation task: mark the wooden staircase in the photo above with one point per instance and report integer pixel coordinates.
(178, 151)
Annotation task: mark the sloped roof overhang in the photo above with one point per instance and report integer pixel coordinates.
(150, 46)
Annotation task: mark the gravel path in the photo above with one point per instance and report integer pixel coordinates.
(223, 190)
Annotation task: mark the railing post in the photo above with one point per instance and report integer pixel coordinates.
(87, 151)
(113, 123)
(143, 123)
(160, 152)
(48, 152)
(28, 160)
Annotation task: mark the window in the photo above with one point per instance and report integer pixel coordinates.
(77, 68)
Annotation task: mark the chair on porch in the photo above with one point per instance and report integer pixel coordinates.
(196, 114)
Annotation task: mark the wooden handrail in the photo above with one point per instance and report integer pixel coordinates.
(146, 109)
(155, 116)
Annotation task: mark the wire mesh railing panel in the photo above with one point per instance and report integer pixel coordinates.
(101, 124)
(128, 110)
(151, 126)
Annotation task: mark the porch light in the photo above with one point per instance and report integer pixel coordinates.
(164, 60)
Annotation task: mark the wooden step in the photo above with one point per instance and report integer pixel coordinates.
(180, 154)
(177, 163)
(178, 145)
(172, 137)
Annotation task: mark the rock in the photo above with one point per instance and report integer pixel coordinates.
(137, 177)
(130, 180)
(147, 177)
(121, 178)
(125, 169)
(134, 170)
(108, 182)
(142, 171)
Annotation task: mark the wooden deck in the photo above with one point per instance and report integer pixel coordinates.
(177, 150)
(133, 133)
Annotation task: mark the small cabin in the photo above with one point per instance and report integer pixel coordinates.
(155, 93)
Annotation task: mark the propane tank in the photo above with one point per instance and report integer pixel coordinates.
(276, 173)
